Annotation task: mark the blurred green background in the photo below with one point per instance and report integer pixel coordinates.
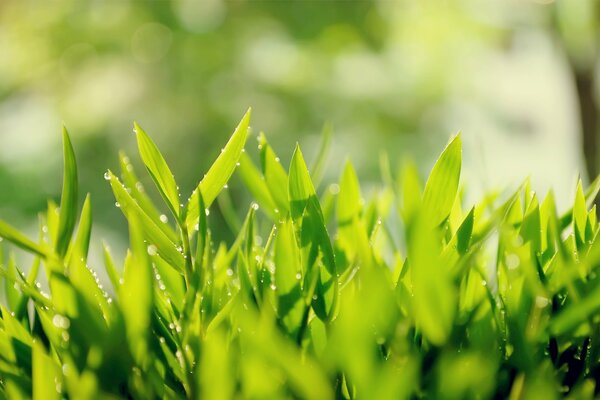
(516, 77)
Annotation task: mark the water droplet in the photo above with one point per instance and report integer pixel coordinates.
(117, 204)
(129, 167)
(152, 250)
(107, 176)
(541, 301)
(223, 150)
(45, 228)
(207, 212)
(314, 297)
(237, 164)
(163, 218)
(61, 322)
(298, 276)
(196, 227)
(277, 159)
(512, 261)
(255, 206)
(139, 187)
(225, 186)
(229, 272)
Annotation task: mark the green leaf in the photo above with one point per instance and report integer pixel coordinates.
(275, 176)
(300, 186)
(220, 172)
(434, 295)
(68, 200)
(288, 277)
(531, 226)
(442, 186)
(348, 202)
(158, 169)
(590, 195)
(136, 189)
(579, 211)
(155, 235)
(47, 378)
(257, 186)
(135, 294)
(464, 232)
(14, 236)
(80, 246)
(410, 191)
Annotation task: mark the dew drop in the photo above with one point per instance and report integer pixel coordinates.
(163, 218)
(298, 276)
(229, 272)
(107, 176)
(117, 204)
(207, 211)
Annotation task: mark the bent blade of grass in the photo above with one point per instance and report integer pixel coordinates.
(166, 248)
(68, 200)
(158, 169)
(220, 171)
(257, 186)
(17, 238)
(442, 186)
(135, 188)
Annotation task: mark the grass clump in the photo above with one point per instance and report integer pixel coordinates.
(321, 295)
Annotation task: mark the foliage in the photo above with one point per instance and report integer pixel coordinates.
(408, 294)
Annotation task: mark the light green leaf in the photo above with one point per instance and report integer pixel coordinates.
(434, 295)
(158, 169)
(348, 205)
(288, 277)
(442, 186)
(68, 200)
(166, 248)
(220, 172)
(274, 174)
(47, 377)
(80, 246)
(14, 236)
(257, 186)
